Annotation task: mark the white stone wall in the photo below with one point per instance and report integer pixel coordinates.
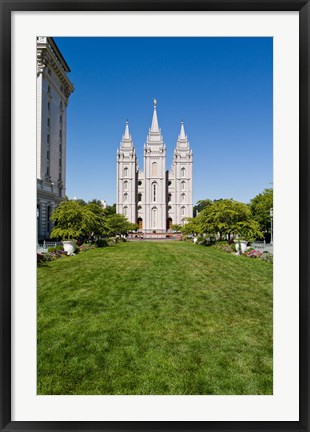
(53, 90)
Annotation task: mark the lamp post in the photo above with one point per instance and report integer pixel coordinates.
(271, 220)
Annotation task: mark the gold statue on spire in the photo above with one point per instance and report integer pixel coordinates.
(155, 102)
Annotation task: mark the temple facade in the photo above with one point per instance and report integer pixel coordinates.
(154, 198)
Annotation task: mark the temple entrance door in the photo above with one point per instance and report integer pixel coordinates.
(169, 223)
(140, 223)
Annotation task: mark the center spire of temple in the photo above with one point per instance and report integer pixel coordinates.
(154, 126)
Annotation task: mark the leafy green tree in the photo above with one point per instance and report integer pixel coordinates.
(117, 224)
(73, 219)
(227, 217)
(192, 226)
(260, 208)
(176, 227)
(110, 209)
(80, 201)
(95, 201)
(201, 205)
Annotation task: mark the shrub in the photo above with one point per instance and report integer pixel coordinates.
(267, 256)
(51, 249)
(87, 246)
(102, 243)
(225, 247)
(59, 248)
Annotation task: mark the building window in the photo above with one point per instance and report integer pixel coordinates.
(125, 197)
(125, 211)
(48, 214)
(154, 169)
(48, 106)
(48, 171)
(125, 185)
(182, 172)
(60, 105)
(59, 163)
(139, 183)
(183, 198)
(169, 197)
(183, 185)
(48, 155)
(60, 133)
(60, 148)
(139, 207)
(169, 183)
(139, 196)
(154, 217)
(59, 177)
(49, 89)
(154, 191)
(48, 139)
(125, 172)
(48, 122)
(182, 211)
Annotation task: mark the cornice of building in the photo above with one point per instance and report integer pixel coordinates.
(48, 57)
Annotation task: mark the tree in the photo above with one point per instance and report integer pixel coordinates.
(110, 209)
(260, 208)
(227, 217)
(176, 227)
(73, 219)
(80, 201)
(117, 224)
(95, 201)
(201, 205)
(191, 226)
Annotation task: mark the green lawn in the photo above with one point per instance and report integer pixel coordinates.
(154, 318)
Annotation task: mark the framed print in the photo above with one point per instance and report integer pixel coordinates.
(144, 345)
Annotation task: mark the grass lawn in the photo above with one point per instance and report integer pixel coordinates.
(154, 318)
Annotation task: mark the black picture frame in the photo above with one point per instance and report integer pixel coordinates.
(7, 7)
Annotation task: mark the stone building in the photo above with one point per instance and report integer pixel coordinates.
(154, 198)
(53, 91)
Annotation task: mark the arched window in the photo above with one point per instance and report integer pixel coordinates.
(139, 197)
(183, 198)
(125, 211)
(154, 169)
(139, 208)
(154, 217)
(125, 197)
(169, 197)
(183, 185)
(125, 185)
(183, 211)
(183, 172)
(139, 182)
(125, 172)
(154, 191)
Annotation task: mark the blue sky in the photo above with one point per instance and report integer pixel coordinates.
(220, 87)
